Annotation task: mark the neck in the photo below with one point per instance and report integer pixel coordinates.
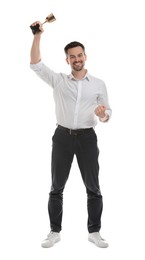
(79, 74)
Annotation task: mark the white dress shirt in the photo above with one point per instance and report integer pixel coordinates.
(75, 100)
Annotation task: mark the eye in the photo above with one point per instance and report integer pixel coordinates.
(72, 57)
(80, 55)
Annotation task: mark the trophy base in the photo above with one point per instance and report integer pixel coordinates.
(35, 29)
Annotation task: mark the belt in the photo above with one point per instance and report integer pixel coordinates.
(75, 131)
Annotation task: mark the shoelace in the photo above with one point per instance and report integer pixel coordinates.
(99, 237)
(51, 235)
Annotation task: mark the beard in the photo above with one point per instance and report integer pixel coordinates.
(78, 67)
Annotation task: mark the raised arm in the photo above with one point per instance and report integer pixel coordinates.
(35, 49)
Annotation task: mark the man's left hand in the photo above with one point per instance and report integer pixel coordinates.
(100, 111)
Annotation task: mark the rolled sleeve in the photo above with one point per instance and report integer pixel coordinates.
(37, 66)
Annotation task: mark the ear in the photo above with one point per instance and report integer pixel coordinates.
(67, 60)
(85, 57)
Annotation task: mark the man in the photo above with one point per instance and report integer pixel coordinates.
(79, 99)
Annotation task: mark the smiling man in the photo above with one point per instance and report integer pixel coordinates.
(76, 58)
(80, 99)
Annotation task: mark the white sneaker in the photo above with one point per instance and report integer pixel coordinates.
(52, 238)
(97, 240)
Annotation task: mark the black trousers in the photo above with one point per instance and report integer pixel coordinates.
(84, 146)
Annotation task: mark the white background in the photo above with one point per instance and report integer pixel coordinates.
(113, 33)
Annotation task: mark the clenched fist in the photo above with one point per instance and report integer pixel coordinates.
(37, 27)
(100, 112)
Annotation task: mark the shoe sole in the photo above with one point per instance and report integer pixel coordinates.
(50, 245)
(92, 241)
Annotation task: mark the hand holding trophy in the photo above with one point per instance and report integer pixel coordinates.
(49, 19)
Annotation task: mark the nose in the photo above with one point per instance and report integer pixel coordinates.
(76, 58)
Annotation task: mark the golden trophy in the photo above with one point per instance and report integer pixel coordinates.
(49, 19)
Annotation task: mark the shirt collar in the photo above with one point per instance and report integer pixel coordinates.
(87, 76)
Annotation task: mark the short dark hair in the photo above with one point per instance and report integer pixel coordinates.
(73, 45)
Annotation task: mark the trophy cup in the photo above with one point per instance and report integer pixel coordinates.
(49, 19)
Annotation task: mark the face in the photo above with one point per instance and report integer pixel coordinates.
(76, 58)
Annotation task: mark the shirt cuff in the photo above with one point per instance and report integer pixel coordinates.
(105, 118)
